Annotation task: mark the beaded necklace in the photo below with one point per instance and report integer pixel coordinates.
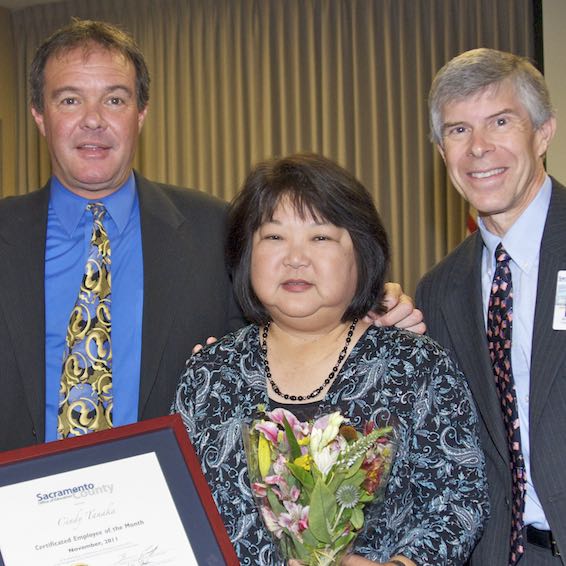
(317, 391)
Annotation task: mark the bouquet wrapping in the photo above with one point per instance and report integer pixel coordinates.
(312, 480)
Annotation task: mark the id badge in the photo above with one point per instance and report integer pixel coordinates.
(559, 321)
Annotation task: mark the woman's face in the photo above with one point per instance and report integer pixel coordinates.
(303, 271)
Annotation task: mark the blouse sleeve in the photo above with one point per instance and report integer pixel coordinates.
(436, 502)
(183, 403)
(448, 471)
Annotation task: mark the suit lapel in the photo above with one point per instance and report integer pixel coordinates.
(549, 346)
(465, 297)
(165, 257)
(22, 253)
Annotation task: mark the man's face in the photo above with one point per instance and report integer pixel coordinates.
(493, 154)
(90, 119)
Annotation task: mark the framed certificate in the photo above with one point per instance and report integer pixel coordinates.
(127, 496)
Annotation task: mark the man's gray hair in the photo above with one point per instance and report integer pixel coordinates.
(476, 70)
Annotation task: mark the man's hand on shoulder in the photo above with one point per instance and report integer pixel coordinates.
(199, 347)
(401, 311)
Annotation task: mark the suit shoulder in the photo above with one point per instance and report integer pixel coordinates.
(558, 198)
(181, 204)
(14, 209)
(460, 255)
(18, 202)
(187, 197)
(558, 186)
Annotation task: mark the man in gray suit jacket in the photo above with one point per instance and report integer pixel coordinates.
(169, 285)
(492, 121)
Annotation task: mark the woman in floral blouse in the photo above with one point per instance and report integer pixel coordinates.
(308, 255)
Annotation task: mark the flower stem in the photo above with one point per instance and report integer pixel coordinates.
(338, 517)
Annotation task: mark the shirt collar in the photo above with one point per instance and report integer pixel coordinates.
(70, 207)
(523, 251)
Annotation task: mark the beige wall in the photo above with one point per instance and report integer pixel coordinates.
(7, 107)
(554, 19)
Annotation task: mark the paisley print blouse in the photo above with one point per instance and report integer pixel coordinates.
(436, 499)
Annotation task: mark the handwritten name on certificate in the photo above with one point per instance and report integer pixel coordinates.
(119, 513)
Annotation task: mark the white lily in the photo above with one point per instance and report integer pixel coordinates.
(324, 431)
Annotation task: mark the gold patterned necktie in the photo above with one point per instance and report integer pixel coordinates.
(85, 397)
(499, 335)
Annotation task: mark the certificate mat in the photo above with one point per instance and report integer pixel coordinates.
(128, 496)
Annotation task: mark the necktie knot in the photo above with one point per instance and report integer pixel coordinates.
(98, 210)
(501, 255)
(99, 239)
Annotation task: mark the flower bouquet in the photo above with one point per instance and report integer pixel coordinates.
(312, 480)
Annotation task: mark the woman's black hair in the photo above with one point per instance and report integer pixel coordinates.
(317, 187)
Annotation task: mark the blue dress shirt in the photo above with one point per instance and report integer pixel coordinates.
(69, 229)
(522, 242)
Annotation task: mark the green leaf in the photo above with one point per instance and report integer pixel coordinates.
(250, 439)
(293, 444)
(274, 502)
(353, 469)
(302, 475)
(336, 481)
(344, 541)
(366, 497)
(357, 518)
(286, 546)
(322, 512)
(315, 472)
(358, 478)
(301, 552)
(309, 539)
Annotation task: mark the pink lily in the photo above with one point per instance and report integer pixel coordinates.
(275, 480)
(295, 520)
(282, 489)
(270, 520)
(280, 465)
(279, 415)
(260, 489)
(269, 430)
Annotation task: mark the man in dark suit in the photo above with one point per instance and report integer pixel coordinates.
(169, 285)
(492, 121)
(90, 89)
